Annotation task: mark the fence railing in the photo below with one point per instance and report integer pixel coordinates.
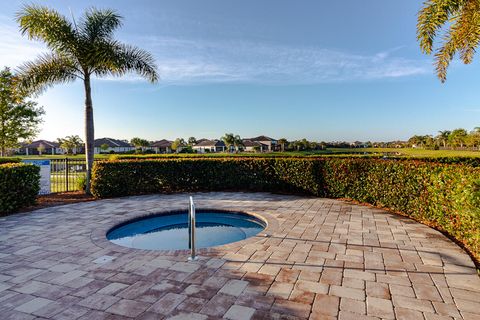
(67, 174)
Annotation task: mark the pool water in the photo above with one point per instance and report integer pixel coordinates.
(170, 231)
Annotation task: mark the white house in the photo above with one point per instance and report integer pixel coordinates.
(272, 144)
(162, 146)
(254, 146)
(206, 146)
(41, 147)
(109, 145)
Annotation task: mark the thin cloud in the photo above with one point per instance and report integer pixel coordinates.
(186, 61)
(183, 61)
(15, 49)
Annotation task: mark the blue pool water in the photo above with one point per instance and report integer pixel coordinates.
(170, 231)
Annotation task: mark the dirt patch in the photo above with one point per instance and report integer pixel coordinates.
(58, 199)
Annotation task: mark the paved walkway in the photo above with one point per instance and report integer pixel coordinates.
(318, 259)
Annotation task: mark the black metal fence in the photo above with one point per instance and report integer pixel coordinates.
(67, 174)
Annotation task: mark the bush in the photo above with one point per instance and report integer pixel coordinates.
(440, 195)
(19, 186)
(9, 160)
(121, 178)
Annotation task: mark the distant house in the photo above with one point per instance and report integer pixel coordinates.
(41, 147)
(206, 146)
(162, 146)
(113, 146)
(254, 146)
(272, 144)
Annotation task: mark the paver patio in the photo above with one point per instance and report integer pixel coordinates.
(318, 259)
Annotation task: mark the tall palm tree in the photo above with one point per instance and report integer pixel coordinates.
(443, 136)
(463, 34)
(79, 50)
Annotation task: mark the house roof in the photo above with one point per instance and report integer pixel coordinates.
(45, 143)
(112, 143)
(250, 143)
(210, 143)
(162, 144)
(262, 138)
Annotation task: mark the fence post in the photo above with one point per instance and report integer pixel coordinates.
(66, 174)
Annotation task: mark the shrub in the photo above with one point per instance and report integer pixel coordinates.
(440, 195)
(19, 186)
(81, 183)
(121, 178)
(9, 160)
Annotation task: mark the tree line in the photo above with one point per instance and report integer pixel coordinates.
(454, 139)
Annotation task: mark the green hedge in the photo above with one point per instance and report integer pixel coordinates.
(19, 186)
(121, 178)
(441, 195)
(9, 160)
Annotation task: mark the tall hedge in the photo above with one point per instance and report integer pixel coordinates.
(19, 186)
(122, 178)
(441, 195)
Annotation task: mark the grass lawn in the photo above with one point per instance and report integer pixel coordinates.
(407, 152)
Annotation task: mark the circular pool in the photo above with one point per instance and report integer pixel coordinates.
(169, 231)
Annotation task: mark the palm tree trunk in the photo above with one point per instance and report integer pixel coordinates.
(89, 131)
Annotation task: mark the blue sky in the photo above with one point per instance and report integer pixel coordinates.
(337, 70)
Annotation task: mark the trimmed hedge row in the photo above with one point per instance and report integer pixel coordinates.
(19, 186)
(121, 178)
(440, 195)
(9, 160)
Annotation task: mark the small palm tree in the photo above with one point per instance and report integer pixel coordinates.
(463, 35)
(79, 51)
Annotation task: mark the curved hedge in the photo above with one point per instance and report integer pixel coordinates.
(19, 186)
(441, 195)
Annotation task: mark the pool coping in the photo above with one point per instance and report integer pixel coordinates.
(99, 235)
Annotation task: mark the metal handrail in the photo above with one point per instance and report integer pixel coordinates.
(191, 230)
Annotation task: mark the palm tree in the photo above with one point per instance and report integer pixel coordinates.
(79, 50)
(462, 36)
(282, 142)
(70, 143)
(238, 142)
(443, 136)
(229, 140)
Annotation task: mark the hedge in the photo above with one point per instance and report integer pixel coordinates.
(19, 186)
(9, 160)
(440, 195)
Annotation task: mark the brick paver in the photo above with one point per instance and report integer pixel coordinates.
(317, 259)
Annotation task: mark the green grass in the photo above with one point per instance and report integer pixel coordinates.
(58, 181)
(406, 152)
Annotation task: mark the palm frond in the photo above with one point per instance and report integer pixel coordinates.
(99, 24)
(462, 37)
(118, 59)
(469, 30)
(432, 17)
(49, 26)
(46, 71)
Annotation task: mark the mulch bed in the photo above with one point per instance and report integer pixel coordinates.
(57, 199)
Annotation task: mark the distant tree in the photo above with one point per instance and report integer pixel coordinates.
(104, 147)
(192, 141)
(79, 50)
(461, 19)
(457, 137)
(70, 143)
(443, 137)
(282, 143)
(140, 143)
(41, 148)
(229, 140)
(178, 144)
(238, 143)
(19, 117)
